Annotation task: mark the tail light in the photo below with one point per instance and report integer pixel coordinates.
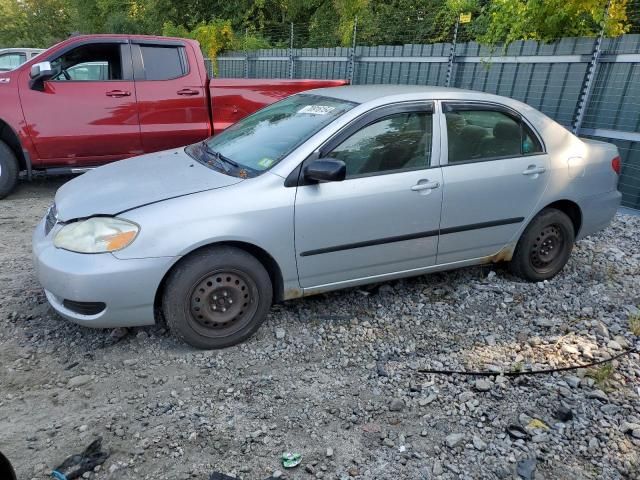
(616, 164)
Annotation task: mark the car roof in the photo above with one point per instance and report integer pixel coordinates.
(371, 96)
(367, 93)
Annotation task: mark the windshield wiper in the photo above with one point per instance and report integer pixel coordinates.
(219, 156)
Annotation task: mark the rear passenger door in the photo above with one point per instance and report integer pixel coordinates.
(495, 174)
(172, 99)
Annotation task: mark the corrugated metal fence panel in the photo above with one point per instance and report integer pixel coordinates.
(548, 77)
(261, 66)
(615, 105)
(371, 67)
(335, 67)
(231, 69)
(552, 87)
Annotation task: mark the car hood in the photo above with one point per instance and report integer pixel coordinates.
(134, 182)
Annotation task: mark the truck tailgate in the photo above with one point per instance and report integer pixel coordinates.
(235, 98)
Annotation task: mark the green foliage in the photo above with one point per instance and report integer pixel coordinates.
(251, 24)
(603, 376)
(33, 23)
(509, 20)
(634, 324)
(214, 36)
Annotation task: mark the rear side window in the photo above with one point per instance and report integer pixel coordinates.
(485, 134)
(163, 62)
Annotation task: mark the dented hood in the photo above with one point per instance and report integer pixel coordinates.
(138, 181)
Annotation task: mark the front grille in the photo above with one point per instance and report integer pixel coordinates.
(51, 220)
(84, 308)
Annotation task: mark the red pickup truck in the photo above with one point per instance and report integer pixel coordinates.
(94, 99)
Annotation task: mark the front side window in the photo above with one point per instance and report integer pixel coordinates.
(258, 142)
(9, 61)
(396, 143)
(163, 62)
(89, 63)
(484, 134)
(89, 71)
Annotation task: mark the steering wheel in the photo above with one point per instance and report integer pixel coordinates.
(65, 74)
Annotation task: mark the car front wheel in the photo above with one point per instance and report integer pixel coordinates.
(545, 246)
(217, 297)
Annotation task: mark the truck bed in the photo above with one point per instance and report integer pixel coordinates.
(235, 98)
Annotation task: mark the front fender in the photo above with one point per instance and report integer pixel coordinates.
(258, 212)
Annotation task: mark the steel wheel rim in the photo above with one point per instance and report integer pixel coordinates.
(547, 248)
(222, 303)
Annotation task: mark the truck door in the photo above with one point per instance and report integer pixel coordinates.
(86, 113)
(172, 94)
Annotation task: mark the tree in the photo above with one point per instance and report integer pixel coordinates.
(547, 20)
(33, 23)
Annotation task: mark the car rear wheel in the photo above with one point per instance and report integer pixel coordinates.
(217, 297)
(545, 246)
(8, 170)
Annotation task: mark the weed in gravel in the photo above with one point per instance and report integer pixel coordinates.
(517, 367)
(634, 324)
(603, 376)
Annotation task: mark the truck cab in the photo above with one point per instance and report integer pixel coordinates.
(95, 99)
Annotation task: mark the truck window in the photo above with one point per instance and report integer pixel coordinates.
(89, 63)
(163, 62)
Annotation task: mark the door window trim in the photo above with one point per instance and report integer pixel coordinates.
(295, 178)
(480, 105)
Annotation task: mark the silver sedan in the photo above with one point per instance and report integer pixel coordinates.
(324, 190)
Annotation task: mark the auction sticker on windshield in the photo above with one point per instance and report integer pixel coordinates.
(317, 109)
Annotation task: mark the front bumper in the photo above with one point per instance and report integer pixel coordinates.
(127, 287)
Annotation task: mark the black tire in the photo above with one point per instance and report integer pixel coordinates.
(8, 170)
(217, 297)
(544, 247)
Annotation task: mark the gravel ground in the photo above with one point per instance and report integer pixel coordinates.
(336, 377)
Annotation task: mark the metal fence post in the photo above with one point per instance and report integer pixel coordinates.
(246, 54)
(352, 53)
(452, 53)
(291, 58)
(587, 84)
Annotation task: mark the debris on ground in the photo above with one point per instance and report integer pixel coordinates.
(76, 465)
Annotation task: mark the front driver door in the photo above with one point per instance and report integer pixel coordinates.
(384, 217)
(87, 112)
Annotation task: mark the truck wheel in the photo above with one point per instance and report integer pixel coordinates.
(8, 170)
(545, 246)
(217, 297)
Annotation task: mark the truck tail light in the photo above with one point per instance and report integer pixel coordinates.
(616, 164)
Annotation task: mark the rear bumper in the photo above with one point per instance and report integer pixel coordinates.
(598, 211)
(126, 287)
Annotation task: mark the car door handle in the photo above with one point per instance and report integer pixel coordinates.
(188, 92)
(425, 185)
(534, 170)
(118, 93)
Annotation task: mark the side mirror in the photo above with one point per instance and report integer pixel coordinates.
(41, 70)
(326, 170)
(39, 73)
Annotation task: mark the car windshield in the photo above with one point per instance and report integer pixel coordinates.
(259, 141)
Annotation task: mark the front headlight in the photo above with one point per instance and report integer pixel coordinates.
(96, 235)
